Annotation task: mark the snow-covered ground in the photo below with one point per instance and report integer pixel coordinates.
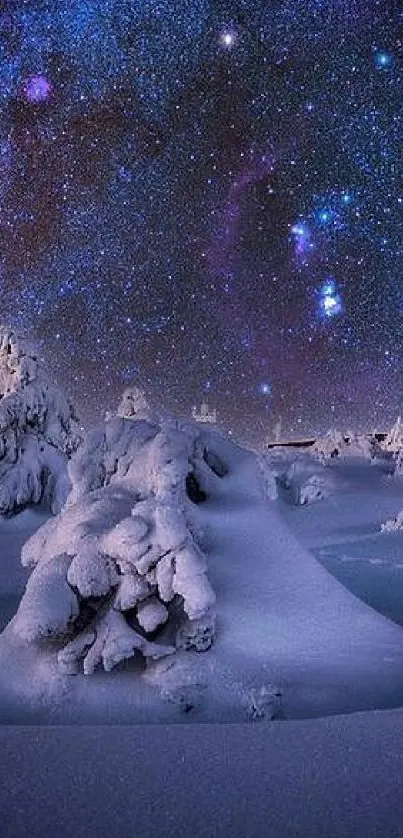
(343, 531)
(292, 642)
(284, 625)
(338, 777)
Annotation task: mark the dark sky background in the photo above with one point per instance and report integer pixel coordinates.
(205, 198)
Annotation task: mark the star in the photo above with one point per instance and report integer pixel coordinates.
(228, 38)
(383, 59)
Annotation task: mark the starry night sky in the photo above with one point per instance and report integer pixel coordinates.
(205, 198)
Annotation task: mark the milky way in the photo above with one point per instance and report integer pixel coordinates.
(205, 198)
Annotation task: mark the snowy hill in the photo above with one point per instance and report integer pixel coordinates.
(180, 519)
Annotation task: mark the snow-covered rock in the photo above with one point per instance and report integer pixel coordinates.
(125, 548)
(38, 431)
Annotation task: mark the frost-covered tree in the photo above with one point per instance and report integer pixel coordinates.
(38, 430)
(351, 444)
(332, 444)
(120, 571)
(135, 405)
(394, 439)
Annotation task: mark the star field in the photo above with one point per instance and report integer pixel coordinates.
(205, 198)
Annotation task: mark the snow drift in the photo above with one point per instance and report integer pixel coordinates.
(38, 431)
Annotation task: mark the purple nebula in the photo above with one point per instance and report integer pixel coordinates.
(37, 89)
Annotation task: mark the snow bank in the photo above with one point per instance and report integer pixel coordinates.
(38, 431)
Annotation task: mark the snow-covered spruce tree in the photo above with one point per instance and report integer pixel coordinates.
(135, 405)
(394, 439)
(120, 570)
(38, 431)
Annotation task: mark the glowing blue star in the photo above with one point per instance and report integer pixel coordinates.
(265, 389)
(346, 198)
(324, 216)
(383, 60)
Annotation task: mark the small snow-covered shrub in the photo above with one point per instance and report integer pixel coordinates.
(38, 431)
(122, 560)
(307, 481)
(393, 524)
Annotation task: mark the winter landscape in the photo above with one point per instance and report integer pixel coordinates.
(155, 572)
(201, 435)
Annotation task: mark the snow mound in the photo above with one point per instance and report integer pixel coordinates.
(122, 560)
(307, 481)
(38, 431)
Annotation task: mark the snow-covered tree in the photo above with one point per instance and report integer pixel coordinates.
(336, 444)
(135, 405)
(394, 439)
(38, 430)
(121, 571)
(332, 444)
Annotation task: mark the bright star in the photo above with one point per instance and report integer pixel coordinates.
(228, 38)
(383, 59)
(265, 389)
(324, 216)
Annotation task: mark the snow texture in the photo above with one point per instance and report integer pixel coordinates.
(38, 431)
(122, 554)
(319, 778)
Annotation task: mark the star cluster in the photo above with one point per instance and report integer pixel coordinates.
(205, 198)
